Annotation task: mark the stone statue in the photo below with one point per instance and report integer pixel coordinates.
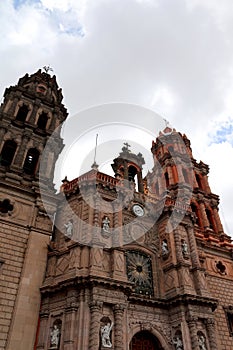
(201, 342)
(69, 228)
(165, 249)
(106, 227)
(184, 246)
(177, 341)
(105, 224)
(55, 337)
(105, 335)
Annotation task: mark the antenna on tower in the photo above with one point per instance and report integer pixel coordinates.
(95, 165)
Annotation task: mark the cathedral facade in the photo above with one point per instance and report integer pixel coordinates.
(127, 262)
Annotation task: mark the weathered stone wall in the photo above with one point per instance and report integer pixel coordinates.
(12, 251)
(222, 289)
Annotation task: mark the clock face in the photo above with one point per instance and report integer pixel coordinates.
(138, 210)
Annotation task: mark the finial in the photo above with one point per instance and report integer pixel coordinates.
(126, 148)
(166, 122)
(47, 69)
(95, 165)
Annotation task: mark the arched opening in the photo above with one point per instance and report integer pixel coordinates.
(8, 152)
(210, 218)
(31, 161)
(42, 121)
(199, 182)
(22, 113)
(166, 179)
(144, 340)
(132, 171)
(196, 211)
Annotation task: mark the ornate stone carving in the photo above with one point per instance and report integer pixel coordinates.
(69, 228)
(106, 227)
(105, 332)
(164, 249)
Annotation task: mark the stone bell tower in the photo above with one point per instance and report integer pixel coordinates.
(31, 114)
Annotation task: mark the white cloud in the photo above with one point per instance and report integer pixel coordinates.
(172, 56)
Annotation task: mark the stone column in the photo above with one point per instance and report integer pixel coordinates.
(179, 255)
(118, 329)
(43, 332)
(34, 112)
(11, 110)
(193, 332)
(95, 309)
(192, 246)
(210, 327)
(21, 151)
(180, 173)
(217, 220)
(70, 316)
(203, 215)
(69, 335)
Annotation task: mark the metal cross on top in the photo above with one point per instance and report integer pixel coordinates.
(47, 69)
(127, 146)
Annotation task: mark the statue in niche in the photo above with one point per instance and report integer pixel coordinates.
(69, 228)
(184, 247)
(165, 250)
(55, 337)
(177, 341)
(106, 227)
(105, 335)
(202, 342)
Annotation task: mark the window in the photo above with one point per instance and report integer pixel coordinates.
(139, 271)
(8, 152)
(31, 161)
(229, 317)
(166, 179)
(42, 121)
(196, 211)
(22, 113)
(132, 171)
(210, 218)
(5, 206)
(198, 179)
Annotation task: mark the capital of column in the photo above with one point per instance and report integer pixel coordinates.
(192, 320)
(209, 322)
(119, 308)
(95, 305)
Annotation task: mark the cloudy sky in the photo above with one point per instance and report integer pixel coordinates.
(174, 57)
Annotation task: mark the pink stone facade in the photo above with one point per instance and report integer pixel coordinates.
(157, 274)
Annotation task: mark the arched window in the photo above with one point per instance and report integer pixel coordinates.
(210, 218)
(198, 179)
(42, 121)
(132, 171)
(196, 211)
(8, 152)
(22, 113)
(31, 161)
(166, 179)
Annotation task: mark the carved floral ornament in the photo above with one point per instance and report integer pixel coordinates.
(139, 271)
